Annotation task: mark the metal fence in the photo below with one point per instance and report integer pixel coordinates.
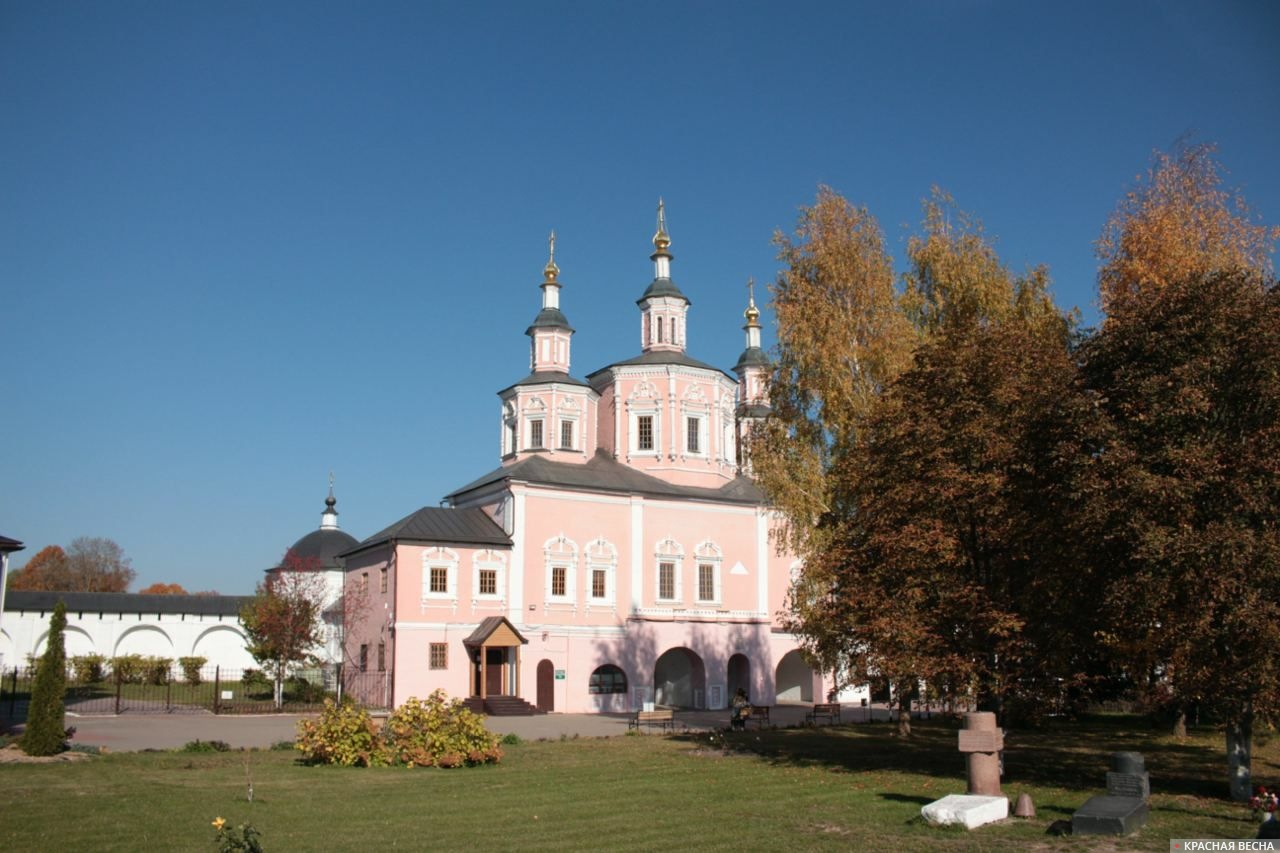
(206, 690)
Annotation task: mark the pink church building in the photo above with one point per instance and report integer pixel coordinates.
(618, 555)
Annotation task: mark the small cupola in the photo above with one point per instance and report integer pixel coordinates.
(550, 331)
(663, 308)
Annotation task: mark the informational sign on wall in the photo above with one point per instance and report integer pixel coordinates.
(559, 675)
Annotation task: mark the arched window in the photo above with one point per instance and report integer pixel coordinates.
(608, 679)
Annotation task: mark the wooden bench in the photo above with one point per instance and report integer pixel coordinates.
(664, 718)
(829, 710)
(758, 714)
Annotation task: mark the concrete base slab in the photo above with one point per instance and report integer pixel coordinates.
(1107, 815)
(966, 809)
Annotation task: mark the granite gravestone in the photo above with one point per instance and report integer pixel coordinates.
(1123, 809)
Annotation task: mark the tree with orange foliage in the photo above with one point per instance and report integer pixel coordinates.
(283, 619)
(1187, 486)
(1178, 224)
(163, 589)
(46, 570)
(90, 564)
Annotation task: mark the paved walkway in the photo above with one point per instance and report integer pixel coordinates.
(136, 732)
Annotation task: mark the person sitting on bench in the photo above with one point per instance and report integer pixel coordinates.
(740, 704)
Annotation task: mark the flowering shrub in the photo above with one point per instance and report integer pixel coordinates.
(1264, 802)
(243, 837)
(438, 732)
(343, 735)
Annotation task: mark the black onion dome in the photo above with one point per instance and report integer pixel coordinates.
(324, 545)
(662, 287)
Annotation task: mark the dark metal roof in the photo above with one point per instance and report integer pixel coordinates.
(7, 544)
(549, 318)
(440, 524)
(325, 545)
(662, 287)
(125, 602)
(752, 357)
(604, 473)
(661, 357)
(545, 377)
(486, 628)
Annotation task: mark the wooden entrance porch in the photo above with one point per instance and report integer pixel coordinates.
(494, 651)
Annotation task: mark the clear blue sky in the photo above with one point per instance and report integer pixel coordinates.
(243, 244)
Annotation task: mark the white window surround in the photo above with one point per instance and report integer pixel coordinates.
(489, 560)
(602, 556)
(561, 552)
(708, 554)
(436, 558)
(668, 551)
(643, 401)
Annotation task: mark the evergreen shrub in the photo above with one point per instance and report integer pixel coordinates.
(46, 732)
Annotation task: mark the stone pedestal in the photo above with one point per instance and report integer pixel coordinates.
(981, 742)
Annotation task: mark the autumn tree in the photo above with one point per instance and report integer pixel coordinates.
(45, 732)
(1177, 224)
(841, 338)
(163, 589)
(47, 569)
(283, 619)
(89, 564)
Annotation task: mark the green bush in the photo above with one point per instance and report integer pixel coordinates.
(191, 669)
(129, 669)
(511, 739)
(88, 669)
(206, 746)
(255, 681)
(438, 732)
(156, 670)
(299, 689)
(343, 735)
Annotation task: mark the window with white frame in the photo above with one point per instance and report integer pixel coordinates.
(708, 558)
(668, 558)
(561, 556)
(642, 419)
(693, 434)
(644, 432)
(536, 441)
(566, 434)
(488, 574)
(602, 565)
(439, 574)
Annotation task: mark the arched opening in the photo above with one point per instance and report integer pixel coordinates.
(794, 679)
(739, 675)
(680, 680)
(546, 686)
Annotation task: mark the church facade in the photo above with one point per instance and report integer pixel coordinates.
(618, 555)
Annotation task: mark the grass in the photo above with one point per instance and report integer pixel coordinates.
(832, 788)
(98, 697)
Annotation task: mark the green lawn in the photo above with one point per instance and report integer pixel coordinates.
(838, 788)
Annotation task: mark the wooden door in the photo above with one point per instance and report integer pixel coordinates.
(495, 684)
(546, 686)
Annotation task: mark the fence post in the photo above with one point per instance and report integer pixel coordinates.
(118, 682)
(217, 689)
(168, 694)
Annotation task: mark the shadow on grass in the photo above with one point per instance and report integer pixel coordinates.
(1070, 755)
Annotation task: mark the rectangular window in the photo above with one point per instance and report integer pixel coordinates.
(598, 581)
(364, 583)
(644, 432)
(566, 435)
(488, 581)
(511, 437)
(382, 657)
(439, 579)
(382, 581)
(535, 434)
(559, 576)
(439, 656)
(667, 581)
(364, 657)
(693, 426)
(706, 582)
